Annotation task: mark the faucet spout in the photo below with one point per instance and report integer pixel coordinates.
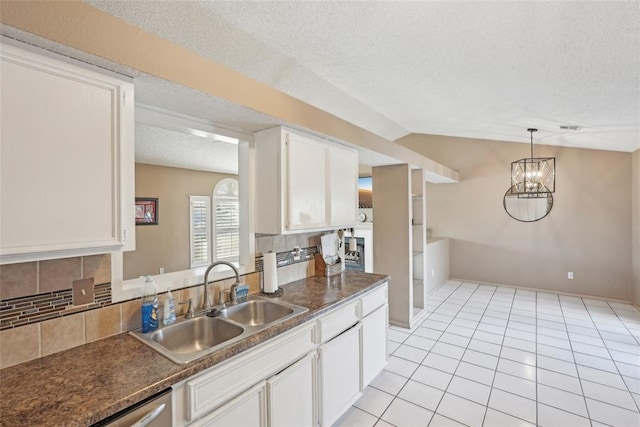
(206, 304)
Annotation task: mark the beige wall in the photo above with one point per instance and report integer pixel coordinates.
(166, 244)
(635, 188)
(587, 232)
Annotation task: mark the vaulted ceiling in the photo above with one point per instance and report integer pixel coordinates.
(485, 70)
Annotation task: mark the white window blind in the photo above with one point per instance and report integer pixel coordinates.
(226, 233)
(200, 218)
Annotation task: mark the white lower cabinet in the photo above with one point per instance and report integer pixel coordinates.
(375, 320)
(374, 344)
(291, 395)
(286, 399)
(308, 376)
(246, 410)
(339, 374)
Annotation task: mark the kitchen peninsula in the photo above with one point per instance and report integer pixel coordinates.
(86, 384)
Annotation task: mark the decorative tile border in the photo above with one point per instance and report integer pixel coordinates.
(37, 308)
(286, 258)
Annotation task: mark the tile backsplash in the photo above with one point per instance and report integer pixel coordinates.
(37, 308)
(40, 277)
(37, 316)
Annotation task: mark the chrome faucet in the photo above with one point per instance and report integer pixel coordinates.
(206, 304)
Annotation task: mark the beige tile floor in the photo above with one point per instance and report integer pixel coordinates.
(500, 356)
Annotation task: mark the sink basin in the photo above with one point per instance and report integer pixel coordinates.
(199, 334)
(189, 339)
(257, 312)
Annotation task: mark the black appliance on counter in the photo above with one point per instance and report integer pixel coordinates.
(354, 260)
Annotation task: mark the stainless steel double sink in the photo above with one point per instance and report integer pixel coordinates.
(189, 339)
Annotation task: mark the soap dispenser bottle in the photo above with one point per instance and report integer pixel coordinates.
(169, 313)
(149, 306)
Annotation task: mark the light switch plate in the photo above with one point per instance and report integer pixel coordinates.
(83, 291)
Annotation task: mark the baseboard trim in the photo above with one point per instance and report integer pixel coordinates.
(544, 290)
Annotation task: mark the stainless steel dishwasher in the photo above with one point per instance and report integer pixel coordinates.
(155, 411)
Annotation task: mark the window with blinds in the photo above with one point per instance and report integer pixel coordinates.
(226, 232)
(200, 215)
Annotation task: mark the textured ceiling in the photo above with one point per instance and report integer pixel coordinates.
(157, 146)
(196, 107)
(485, 70)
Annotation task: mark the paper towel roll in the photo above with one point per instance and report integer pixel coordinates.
(269, 273)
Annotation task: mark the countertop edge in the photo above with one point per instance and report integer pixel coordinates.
(166, 372)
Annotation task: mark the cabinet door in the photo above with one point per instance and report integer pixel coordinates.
(343, 186)
(339, 374)
(62, 152)
(374, 344)
(246, 410)
(306, 183)
(296, 382)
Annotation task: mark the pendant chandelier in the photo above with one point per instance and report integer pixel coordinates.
(533, 177)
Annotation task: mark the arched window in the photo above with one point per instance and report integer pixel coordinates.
(226, 221)
(215, 225)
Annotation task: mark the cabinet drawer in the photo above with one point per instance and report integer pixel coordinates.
(374, 299)
(340, 320)
(247, 410)
(224, 382)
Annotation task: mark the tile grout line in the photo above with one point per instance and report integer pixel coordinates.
(429, 352)
(536, 346)
(580, 379)
(396, 396)
(511, 375)
(436, 342)
(484, 367)
(612, 360)
(584, 398)
(504, 373)
(453, 374)
(623, 324)
(514, 298)
(498, 362)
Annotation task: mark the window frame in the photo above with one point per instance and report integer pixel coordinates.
(207, 233)
(228, 197)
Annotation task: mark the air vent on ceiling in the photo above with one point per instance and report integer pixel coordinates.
(569, 127)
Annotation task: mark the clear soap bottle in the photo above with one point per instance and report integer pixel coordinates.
(169, 313)
(149, 306)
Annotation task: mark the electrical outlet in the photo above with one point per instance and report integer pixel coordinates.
(433, 273)
(161, 270)
(570, 275)
(83, 291)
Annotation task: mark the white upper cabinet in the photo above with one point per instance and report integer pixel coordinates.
(303, 183)
(306, 187)
(343, 186)
(66, 158)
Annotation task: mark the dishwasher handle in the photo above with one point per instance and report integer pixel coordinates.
(149, 416)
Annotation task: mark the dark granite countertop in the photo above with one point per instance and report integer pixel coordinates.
(86, 384)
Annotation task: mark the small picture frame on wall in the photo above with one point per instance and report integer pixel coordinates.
(146, 211)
